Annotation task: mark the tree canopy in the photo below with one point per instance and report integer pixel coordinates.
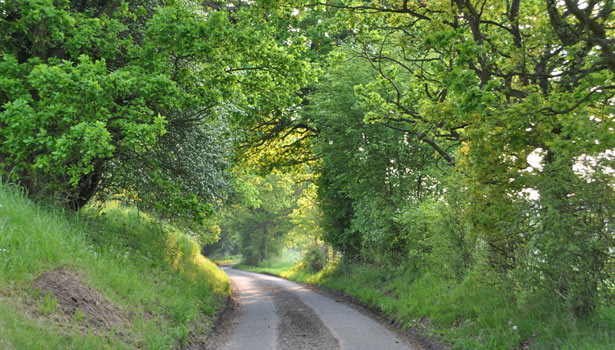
(134, 97)
(506, 102)
(442, 135)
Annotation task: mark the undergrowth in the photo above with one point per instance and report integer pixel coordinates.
(275, 266)
(226, 260)
(272, 266)
(149, 269)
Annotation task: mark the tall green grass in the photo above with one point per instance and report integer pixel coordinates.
(226, 259)
(275, 265)
(272, 266)
(149, 269)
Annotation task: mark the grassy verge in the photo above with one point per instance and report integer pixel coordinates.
(469, 314)
(226, 260)
(272, 266)
(151, 272)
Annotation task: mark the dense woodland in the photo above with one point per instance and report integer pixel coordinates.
(472, 139)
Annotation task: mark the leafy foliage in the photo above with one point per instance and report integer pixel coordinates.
(513, 96)
(365, 170)
(134, 97)
(469, 140)
(259, 215)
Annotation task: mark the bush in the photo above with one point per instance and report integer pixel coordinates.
(314, 259)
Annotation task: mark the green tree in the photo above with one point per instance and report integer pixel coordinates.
(258, 214)
(306, 219)
(134, 97)
(366, 171)
(488, 85)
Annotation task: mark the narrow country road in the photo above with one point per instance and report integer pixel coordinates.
(278, 314)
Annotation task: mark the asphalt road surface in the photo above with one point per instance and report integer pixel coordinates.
(278, 314)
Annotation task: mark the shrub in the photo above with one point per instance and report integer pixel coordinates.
(314, 259)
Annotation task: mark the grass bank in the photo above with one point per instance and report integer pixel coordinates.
(226, 260)
(275, 266)
(469, 314)
(272, 266)
(115, 279)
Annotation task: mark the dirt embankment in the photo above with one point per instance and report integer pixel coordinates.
(76, 300)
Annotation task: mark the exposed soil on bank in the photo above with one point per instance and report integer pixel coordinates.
(78, 301)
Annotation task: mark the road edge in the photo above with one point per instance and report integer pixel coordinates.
(220, 327)
(414, 335)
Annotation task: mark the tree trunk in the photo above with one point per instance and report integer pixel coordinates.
(265, 242)
(86, 188)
